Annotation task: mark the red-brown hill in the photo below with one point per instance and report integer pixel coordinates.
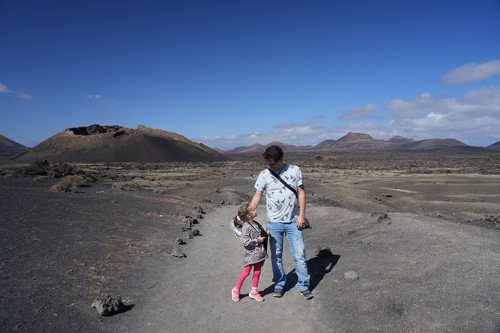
(114, 143)
(354, 141)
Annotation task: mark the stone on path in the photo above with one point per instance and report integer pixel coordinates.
(351, 275)
(106, 305)
(177, 252)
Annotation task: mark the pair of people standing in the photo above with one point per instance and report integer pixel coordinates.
(285, 205)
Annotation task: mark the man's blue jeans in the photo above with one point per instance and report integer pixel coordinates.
(297, 249)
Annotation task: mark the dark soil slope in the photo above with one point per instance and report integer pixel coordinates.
(10, 148)
(97, 143)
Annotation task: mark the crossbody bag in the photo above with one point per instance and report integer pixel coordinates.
(284, 182)
(307, 225)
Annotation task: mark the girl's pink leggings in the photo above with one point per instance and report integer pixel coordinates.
(246, 272)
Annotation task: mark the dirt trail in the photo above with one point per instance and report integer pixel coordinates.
(417, 272)
(415, 275)
(195, 294)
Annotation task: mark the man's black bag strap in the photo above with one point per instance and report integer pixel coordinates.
(284, 182)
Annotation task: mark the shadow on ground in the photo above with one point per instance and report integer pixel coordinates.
(318, 267)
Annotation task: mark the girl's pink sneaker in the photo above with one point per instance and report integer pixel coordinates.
(256, 296)
(235, 295)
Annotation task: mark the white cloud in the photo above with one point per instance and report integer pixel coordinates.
(21, 95)
(357, 113)
(472, 72)
(486, 100)
(418, 107)
(108, 102)
(24, 97)
(300, 135)
(94, 97)
(436, 117)
(473, 119)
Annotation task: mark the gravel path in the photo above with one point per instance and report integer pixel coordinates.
(60, 250)
(415, 275)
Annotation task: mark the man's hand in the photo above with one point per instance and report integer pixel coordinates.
(301, 221)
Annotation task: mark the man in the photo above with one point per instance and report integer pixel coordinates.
(286, 209)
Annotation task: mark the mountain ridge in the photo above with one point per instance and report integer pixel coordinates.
(114, 143)
(365, 142)
(108, 143)
(10, 148)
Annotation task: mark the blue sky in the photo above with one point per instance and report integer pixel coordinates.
(231, 73)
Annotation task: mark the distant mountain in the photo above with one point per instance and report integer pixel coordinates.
(496, 145)
(259, 148)
(10, 149)
(464, 150)
(325, 144)
(353, 141)
(353, 137)
(246, 149)
(429, 145)
(397, 139)
(364, 142)
(96, 143)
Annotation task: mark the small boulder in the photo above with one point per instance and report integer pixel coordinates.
(380, 216)
(177, 252)
(351, 275)
(324, 252)
(199, 210)
(106, 305)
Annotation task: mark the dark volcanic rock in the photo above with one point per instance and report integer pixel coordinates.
(107, 305)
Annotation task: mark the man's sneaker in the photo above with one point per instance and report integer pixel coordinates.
(256, 296)
(307, 294)
(235, 295)
(278, 292)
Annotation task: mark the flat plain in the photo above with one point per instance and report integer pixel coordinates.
(421, 231)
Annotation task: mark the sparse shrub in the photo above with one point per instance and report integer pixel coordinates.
(123, 186)
(68, 184)
(159, 190)
(41, 178)
(9, 174)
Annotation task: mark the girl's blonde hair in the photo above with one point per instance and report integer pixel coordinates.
(239, 219)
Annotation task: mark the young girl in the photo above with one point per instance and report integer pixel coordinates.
(253, 237)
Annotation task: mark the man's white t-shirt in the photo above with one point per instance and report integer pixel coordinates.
(282, 204)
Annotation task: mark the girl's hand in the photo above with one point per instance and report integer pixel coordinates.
(261, 239)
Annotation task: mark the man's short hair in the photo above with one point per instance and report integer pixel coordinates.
(273, 153)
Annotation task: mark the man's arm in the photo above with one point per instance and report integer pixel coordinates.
(256, 199)
(301, 219)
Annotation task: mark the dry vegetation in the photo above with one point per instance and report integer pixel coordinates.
(458, 187)
(68, 184)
